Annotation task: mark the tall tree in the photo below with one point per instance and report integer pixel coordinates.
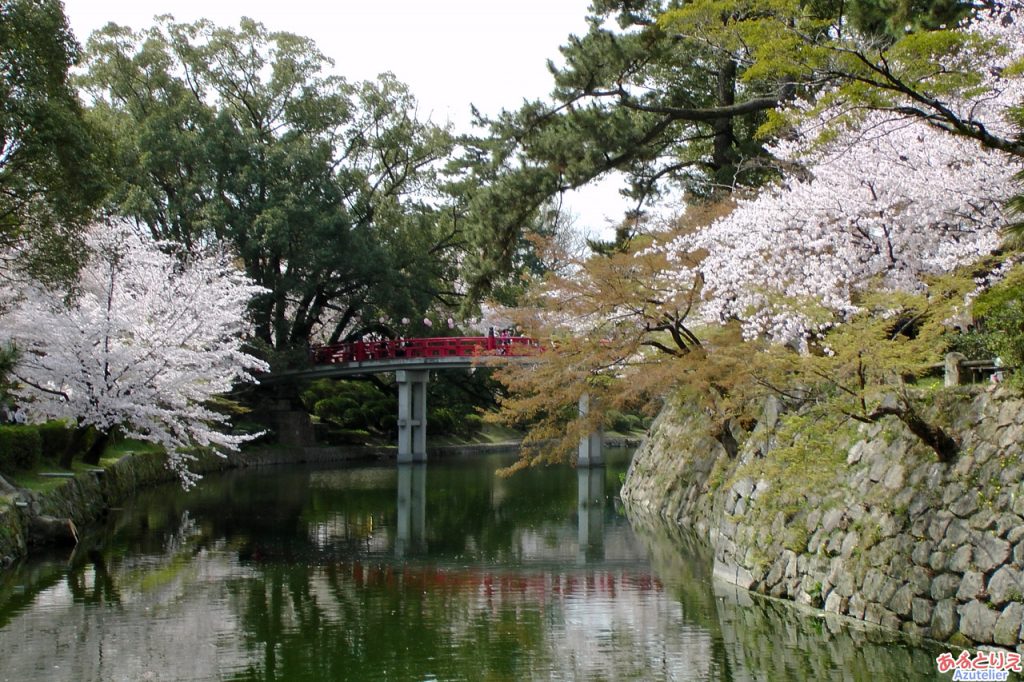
(631, 97)
(325, 188)
(51, 164)
(684, 94)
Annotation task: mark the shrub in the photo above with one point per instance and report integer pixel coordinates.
(623, 423)
(55, 438)
(20, 447)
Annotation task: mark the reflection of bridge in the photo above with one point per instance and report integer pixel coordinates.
(412, 512)
(412, 360)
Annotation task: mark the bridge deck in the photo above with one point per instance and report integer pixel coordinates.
(361, 358)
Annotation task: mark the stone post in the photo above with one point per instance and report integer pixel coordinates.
(956, 374)
(590, 445)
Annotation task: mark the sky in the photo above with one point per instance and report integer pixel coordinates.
(452, 53)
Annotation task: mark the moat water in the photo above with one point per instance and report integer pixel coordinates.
(429, 572)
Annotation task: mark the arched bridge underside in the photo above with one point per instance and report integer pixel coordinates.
(412, 360)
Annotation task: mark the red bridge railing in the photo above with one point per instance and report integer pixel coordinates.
(440, 347)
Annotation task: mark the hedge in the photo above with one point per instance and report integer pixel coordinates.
(20, 447)
(56, 439)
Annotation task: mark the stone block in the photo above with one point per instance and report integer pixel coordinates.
(902, 601)
(939, 522)
(855, 607)
(1010, 527)
(921, 581)
(743, 487)
(895, 477)
(850, 542)
(1008, 412)
(1010, 437)
(812, 520)
(921, 610)
(831, 519)
(960, 562)
(945, 586)
(945, 620)
(919, 526)
(836, 603)
(972, 586)
(989, 551)
(1006, 585)
(965, 505)
(922, 552)
(957, 532)
(983, 520)
(1007, 630)
(913, 630)
(978, 621)
(855, 453)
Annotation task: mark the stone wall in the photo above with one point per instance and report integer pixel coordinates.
(865, 522)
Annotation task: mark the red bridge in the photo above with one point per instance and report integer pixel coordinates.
(412, 361)
(409, 349)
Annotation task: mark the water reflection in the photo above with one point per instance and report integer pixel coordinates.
(412, 509)
(590, 504)
(409, 573)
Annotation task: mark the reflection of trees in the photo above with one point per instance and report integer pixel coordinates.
(103, 591)
(354, 621)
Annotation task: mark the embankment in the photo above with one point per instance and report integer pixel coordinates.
(86, 497)
(861, 521)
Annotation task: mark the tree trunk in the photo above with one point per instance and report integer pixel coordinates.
(92, 455)
(932, 435)
(723, 156)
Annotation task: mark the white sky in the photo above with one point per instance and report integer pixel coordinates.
(452, 53)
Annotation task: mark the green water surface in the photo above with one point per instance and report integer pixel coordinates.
(426, 572)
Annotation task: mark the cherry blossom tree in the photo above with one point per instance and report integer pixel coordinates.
(146, 342)
(884, 206)
(879, 200)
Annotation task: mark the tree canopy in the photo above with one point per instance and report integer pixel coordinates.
(684, 95)
(51, 164)
(326, 189)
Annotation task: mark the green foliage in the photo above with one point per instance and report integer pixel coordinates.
(56, 438)
(684, 95)
(1000, 316)
(1016, 205)
(352, 406)
(20, 447)
(8, 358)
(447, 420)
(809, 457)
(52, 162)
(358, 410)
(316, 182)
(623, 423)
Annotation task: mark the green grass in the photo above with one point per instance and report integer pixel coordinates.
(488, 433)
(33, 480)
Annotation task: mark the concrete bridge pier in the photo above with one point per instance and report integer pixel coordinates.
(590, 453)
(412, 415)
